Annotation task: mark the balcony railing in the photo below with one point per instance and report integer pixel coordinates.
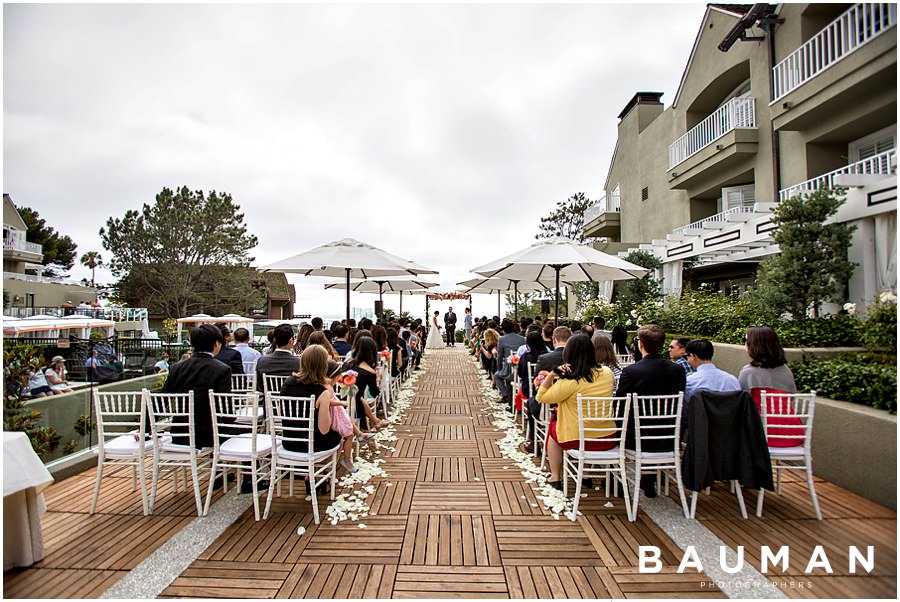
(713, 219)
(880, 164)
(12, 244)
(598, 209)
(737, 113)
(860, 24)
(31, 277)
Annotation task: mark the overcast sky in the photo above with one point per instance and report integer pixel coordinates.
(438, 133)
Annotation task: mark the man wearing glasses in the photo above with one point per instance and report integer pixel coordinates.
(677, 351)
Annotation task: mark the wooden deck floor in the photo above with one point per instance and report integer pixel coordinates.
(452, 518)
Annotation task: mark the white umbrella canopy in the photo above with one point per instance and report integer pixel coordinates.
(349, 258)
(561, 259)
(383, 285)
(489, 286)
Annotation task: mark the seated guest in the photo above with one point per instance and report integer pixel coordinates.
(506, 345)
(312, 381)
(606, 355)
(56, 375)
(549, 361)
(282, 361)
(302, 339)
(489, 351)
(398, 359)
(379, 333)
(199, 373)
(535, 348)
(599, 323)
(365, 362)
(317, 323)
(163, 364)
(341, 344)
(619, 338)
(227, 355)
(580, 374)
(249, 355)
(699, 353)
(38, 385)
(318, 338)
(768, 367)
(678, 355)
(652, 375)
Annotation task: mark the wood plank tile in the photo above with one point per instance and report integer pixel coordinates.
(439, 498)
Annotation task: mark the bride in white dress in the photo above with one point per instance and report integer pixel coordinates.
(435, 340)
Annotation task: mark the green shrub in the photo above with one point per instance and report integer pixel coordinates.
(879, 328)
(841, 330)
(862, 378)
(18, 362)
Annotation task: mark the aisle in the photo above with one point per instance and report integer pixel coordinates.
(452, 518)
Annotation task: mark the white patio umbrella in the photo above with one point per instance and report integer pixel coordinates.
(502, 285)
(385, 285)
(349, 258)
(565, 260)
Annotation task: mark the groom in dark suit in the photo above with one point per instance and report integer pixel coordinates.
(450, 325)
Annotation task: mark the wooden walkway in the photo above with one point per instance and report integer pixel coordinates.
(452, 518)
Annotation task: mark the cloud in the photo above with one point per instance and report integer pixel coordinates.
(440, 133)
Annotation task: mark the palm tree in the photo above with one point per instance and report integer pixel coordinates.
(93, 260)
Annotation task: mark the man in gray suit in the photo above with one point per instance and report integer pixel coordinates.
(508, 344)
(282, 361)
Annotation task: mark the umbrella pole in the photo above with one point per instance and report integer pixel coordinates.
(557, 268)
(516, 298)
(380, 300)
(401, 302)
(348, 297)
(498, 306)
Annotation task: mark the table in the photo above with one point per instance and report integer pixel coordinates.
(24, 477)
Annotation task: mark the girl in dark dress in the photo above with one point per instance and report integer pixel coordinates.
(365, 358)
(312, 380)
(488, 351)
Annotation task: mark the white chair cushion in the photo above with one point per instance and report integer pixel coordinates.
(239, 447)
(781, 452)
(126, 445)
(651, 455)
(292, 457)
(609, 454)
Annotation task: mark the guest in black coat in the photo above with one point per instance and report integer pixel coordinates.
(282, 361)
(229, 356)
(652, 375)
(554, 359)
(199, 373)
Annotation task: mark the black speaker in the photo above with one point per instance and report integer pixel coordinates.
(545, 306)
(379, 308)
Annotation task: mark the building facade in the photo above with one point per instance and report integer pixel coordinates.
(774, 101)
(24, 286)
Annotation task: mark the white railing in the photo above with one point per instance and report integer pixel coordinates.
(30, 277)
(116, 314)
(13, 244)
(737, 113)
(598, 209)
(880, 164)
(860, 24)
(713, 219)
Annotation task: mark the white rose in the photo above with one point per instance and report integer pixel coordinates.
(887, 297)
(850, 308)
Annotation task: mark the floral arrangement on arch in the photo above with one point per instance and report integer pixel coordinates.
(448, 296)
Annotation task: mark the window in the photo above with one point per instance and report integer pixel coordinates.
(873, 144)
(737, 196)
(645, 193)
(614, 200)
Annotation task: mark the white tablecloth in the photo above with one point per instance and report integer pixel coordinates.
(24, 476)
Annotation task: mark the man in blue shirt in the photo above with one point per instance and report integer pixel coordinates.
(249, 355)
(699, 354)
(678, 354)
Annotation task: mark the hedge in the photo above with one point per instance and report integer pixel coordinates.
(863, 378)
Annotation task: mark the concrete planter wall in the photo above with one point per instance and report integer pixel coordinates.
(846, 435)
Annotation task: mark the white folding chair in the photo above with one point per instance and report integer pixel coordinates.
(237, 442)
(243, 383)
(624, 360)
(168, 410)
(600, 419)
(291, 420)
(121, 441)
(272, 383)
(776, 410)
(657, 418)
(249, 367)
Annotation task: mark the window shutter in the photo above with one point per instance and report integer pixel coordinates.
(738, 196)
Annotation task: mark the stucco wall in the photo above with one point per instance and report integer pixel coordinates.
(48, 294)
